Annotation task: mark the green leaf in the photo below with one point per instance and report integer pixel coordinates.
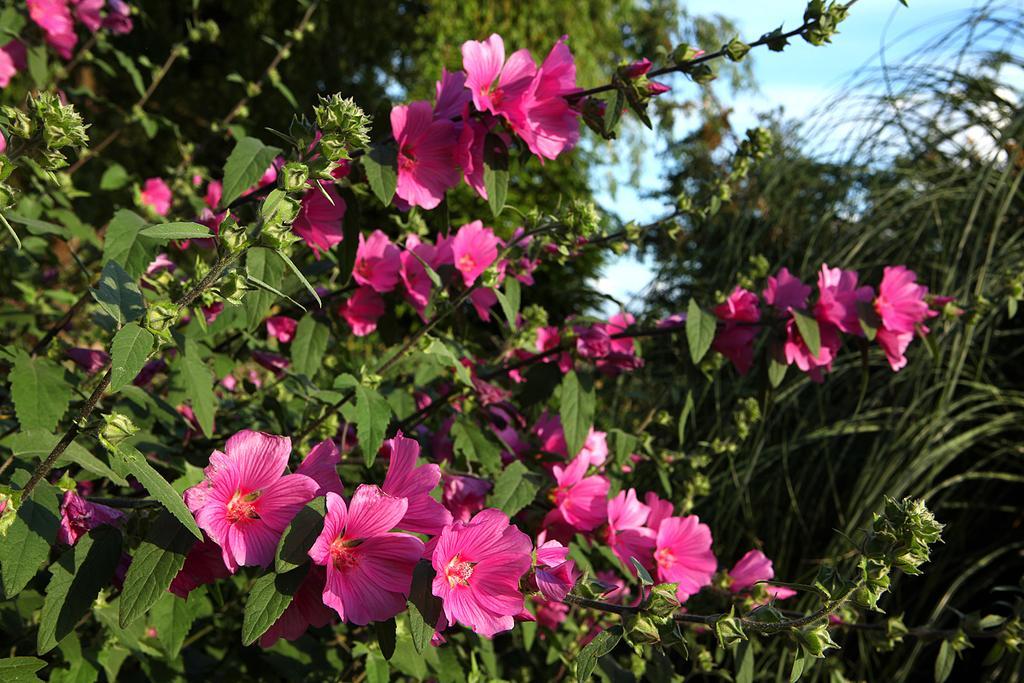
(471, 442)
(20, 669)
(684, 416)
(37, 66)
(641, 572)
(514, 489)
(869, 320)
(26, 545)
(438, 348)
(776, 371)
(124, 243)
(798, 667)
(37, 444)
(75, 581)
(244, 168)
(700, 331)
(267, 601)
(309, 346)
(810, 331)
(263, 265)
(603, 643)
(381, 166)
(419, 629)
(373, 413)
(155, 563)
(386, 637)
(172, 618)
(133, 462)
(36, 226)
(302, 278)
(128, 355)
(622, 445)
(40, 394)
(577, 410)
(198, 380)
(495, 172)
(176, 231)
(509, 301)
(133, 71)
(119, 294)
(300, 535)
(745, 662)
(377, 669)
(944, 662)
(114, 178)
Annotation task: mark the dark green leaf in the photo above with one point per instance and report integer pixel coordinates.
(26, 545)
(798, 667)
(133, 71)
(944, 662)
(263, 265)
(302, 278)
(76, 579)
(603, 643)
(577, 410)
(37, 444)
(119, 294)
(509, 301)
(300, 535)
(124, 243)
(176, 231)
(514, 489)
(745, 662)
(244, 168)
(495, 172)
(20, 669)
(381, 166)
(133, 462)
(198, 380)
(377, 669)
(373, 413)
(36, 226)
(471, 442)
(776, 371)
(40, 394)
(684, 415)
(419, 629)
(128, 354)
(700, 331)
(309, 346)
(267, 601)
(810, 331)
(386, 637)
(155, 563)
(172, 618)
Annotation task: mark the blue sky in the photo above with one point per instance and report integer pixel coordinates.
(799, 79)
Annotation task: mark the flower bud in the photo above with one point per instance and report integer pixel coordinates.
(116, 429)
(345, 126)
(161, 317)
(294, 176)
(729, 630)
(663, 601)
(816, 640)
(641, 629)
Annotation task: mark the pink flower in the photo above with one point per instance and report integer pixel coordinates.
(79, 516)
(362, 310)
(464, 496)
(282, 327)
(404, 479)
(660, 510)
(369, 568)
(414, 274)
(212, 312)
(321, 465)
(90, 360)
(550, 613)
(54, 17)
(901, 303)
(319, 219)
(627, 535)
(306, 609)
(638, 68)
(838, 295)
(426, 149)
(753, 568)
(474, 249)
(497, 86)
(595, 448)
(580, 499)
(247, 500)
(88, 13)
(377, 262)
(735, 339)
(555, 573)
(160, 263)
(549, 125)
(593, 342)
(894, 345)
(483, 300)
(469, 152)
(478, 565)
(156, 195)
(271, 361)
(797, 352)
(12, 60)
(204, 564)
(786, 292)
(118, 19)
(451, 96)
(683, 554)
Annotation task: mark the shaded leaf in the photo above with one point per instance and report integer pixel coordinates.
(155, 563)
(128, 353)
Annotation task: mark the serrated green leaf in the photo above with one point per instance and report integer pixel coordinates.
(776, 371)
(700, 331)
(381, 166)
(267, 601)
(622, 445)
(26, 545)
(299, 536)
(20, 669)
(75, 581)
(373, 413)
(198, 379)
(309, 346)
(36, 226)
(245, 166)
(473, 444)
(419, 629)
(514, 489)
(155, 563)
(377, 669)
(176, 231)
(133, 71)
(172, 617)
(128, 354)
(124, 243)
(119, 295)
(603, 643)
(133, 462)
(37, 444)
(438, 348)
(810, 331)
(40, 394)
(576, 409)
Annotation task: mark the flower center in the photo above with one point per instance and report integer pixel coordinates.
(458, 571)
(343, 552)
(466, 263)
(242, 506)
(665, 558)
(406, 159)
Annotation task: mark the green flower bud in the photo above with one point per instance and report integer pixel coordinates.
(233, 288)
(294, 176)
(736, 49)
(62, 126)
(233, 237)
(663, 601)
(816, 640)
(641, 629)
(684, 53)
(161, 317)
(116, 429)
(729, 630)
(18, 122)
(344, 124)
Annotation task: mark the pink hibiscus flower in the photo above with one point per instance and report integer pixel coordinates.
(497, 86)
(838, 295)
(426, 154)
(404, 479)
(13, 60)
(369, 567)
(204, 564)
(247, 500)
(626, 534)
(90, 360)
(321, 465)
(282, 327)
(54, 17)
(901, 303)
(79, 516)
(550, 126)
(579, 499)
(786, 292)
(474, 249)
(555, 574)
(478, 565)
(464, 496)
(753, 567)
(735, 339)
(362, 310)
(413, 272)
(156, 195)
(319, 219)
(683, 554)
(377, 262)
